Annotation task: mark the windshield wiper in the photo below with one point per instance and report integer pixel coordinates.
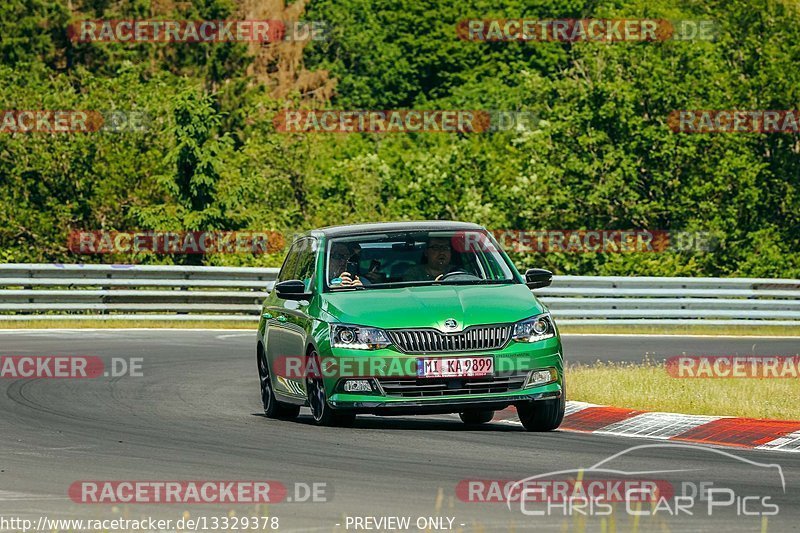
(399, 284)
(472, 282)
(353, 287)
(430, 283)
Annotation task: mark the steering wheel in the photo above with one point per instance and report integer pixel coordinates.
(457, 273)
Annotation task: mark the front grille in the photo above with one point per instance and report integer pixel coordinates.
(472, 339)
(436, 387)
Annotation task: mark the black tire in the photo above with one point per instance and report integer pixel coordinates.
(272, 407)
(478, 416)
(543, 415)
(322, 413)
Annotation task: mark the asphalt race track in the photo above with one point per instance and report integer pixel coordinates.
(194, 414)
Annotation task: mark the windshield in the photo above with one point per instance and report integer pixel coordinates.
(418, 258)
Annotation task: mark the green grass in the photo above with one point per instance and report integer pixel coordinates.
(648, 386)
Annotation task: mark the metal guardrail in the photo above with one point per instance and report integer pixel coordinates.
(668, 300)
(113, 292)
(136, 292)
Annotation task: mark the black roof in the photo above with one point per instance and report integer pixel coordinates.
(389, 227)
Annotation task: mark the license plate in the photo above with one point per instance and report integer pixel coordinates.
(455, 367)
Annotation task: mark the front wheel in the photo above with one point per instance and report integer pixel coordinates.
(324, 414)
(543, 415)
(272, 407)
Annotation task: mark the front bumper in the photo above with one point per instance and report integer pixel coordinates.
(443, 405)
(515, 358)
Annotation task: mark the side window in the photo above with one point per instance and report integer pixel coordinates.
(306, 261)
(289, 268)
(300, 263)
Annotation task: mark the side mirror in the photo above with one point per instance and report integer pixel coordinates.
(292, 289)
(537, 278)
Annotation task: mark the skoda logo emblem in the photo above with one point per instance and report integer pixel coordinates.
(451, 324)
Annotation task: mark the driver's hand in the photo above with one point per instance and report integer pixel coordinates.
(348, 281)
(439, 277)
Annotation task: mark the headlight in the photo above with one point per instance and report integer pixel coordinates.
(534, 329)
(358, 337)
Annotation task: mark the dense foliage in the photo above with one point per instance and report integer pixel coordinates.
(601, 155)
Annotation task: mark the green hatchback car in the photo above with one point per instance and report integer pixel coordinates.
(408, 318)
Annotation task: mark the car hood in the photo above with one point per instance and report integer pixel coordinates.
(430, 306)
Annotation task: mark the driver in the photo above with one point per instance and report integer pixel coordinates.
(437, 261)
(343, 265)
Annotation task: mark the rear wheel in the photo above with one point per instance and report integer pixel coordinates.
(324, 414)
(272, 407)
(543, 415)
(476, 417)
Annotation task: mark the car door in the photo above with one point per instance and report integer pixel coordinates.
(288, 320)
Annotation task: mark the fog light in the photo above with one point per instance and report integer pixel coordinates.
(541, 377)
(357, 385)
